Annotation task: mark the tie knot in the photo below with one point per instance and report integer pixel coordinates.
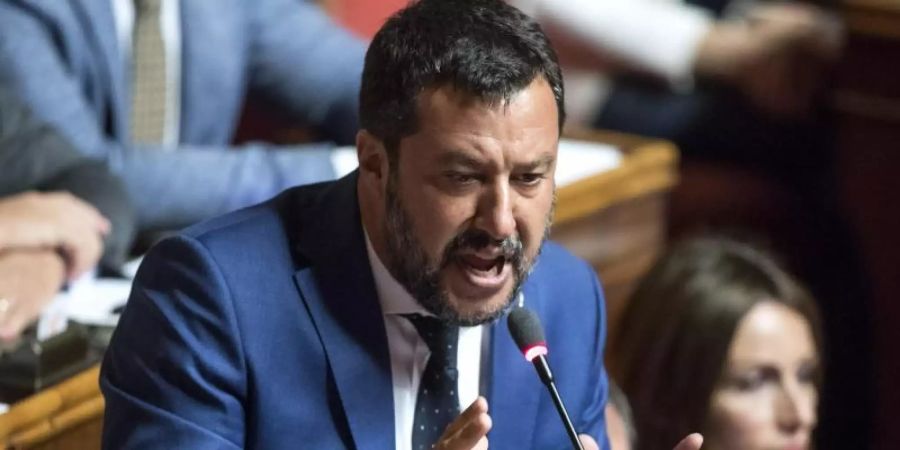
(440, 337)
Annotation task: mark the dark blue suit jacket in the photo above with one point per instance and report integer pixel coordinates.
(261, 329)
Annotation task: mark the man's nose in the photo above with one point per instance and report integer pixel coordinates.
(495, 211)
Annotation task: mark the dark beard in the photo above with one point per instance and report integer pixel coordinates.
(409, 264)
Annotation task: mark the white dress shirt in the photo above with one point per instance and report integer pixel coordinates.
(409, 353)
(170, 24)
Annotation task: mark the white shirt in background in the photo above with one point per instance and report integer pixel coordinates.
(657, 36)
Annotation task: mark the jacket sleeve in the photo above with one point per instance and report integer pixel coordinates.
(35, 157)
(173, 374)
(308, 64)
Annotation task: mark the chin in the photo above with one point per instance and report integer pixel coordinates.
(470, 311)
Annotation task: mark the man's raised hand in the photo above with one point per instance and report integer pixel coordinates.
(469, 430)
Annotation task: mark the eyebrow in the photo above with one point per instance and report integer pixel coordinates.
(463, 159)
(544, 162)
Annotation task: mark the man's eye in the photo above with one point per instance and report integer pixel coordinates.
(529, 179)
(461, 178)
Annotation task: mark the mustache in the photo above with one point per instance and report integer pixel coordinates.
(511, 247)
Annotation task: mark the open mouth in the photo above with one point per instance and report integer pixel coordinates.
(485, 272)
(486, 266)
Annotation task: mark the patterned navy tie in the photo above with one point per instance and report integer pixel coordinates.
(437, 403)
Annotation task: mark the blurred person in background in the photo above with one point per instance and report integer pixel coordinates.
(156, 87)
(719, 339)
(61, 215)
(742, 88)
(624, 59)
(462, 106)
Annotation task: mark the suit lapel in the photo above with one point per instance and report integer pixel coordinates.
(339, 292)
(100, 28)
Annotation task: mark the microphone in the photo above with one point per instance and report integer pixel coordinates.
(525, 328)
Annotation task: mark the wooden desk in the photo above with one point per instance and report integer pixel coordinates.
(614, 219)
(66, 416)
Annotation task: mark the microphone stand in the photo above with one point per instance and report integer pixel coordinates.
(543, 370)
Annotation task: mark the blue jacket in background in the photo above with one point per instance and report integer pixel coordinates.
(63, 59)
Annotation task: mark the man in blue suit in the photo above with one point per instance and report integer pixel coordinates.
(77, 64)
(367, 313)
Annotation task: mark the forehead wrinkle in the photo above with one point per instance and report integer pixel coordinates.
(455, 156)
(446, 102)
(478, 156)
(499, 134)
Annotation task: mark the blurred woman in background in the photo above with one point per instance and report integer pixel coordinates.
(719, 339)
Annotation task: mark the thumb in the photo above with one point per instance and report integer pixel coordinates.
(588, 442)
(691, 442)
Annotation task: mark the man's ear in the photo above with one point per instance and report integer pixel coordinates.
(373, 159)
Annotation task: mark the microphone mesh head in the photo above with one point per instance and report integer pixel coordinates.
(525, 328)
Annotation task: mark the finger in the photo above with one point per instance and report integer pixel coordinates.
(82, 253)
(588, 442)
(471, 435)
(30, 235)
(81, 245)
(74, 211)
(26, 309)
(691, 442)
(478, 407)
(104, 226)
(38, 279)
(15, 320)
(84, 213)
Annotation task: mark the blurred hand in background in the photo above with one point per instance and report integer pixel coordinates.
(775, 55)
(45, 240)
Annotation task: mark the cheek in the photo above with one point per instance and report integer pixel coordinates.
(740, 421)
(438, 219)
(532, 220)
(810, 402)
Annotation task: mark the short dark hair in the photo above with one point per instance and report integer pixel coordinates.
(482, 47)
(673, 341)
